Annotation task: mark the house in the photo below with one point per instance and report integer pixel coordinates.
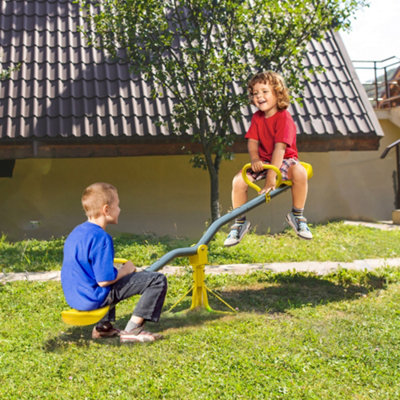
(391, 96)
(69, 117)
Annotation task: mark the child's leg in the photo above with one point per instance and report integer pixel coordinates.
(298, 175)
(152, 286)
(239, 190)
(104, 328)
(239, 197)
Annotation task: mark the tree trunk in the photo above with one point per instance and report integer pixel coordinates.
(214, 194)
(213, 172)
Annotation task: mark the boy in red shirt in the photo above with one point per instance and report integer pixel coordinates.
(271, 140)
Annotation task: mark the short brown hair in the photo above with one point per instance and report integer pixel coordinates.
(97, 195)
(277, 84)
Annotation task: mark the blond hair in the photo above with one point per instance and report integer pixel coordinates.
(97, 195)
(277, 84)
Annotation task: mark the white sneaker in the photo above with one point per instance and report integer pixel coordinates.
(299, 224)
(238, 230)
(138, 335)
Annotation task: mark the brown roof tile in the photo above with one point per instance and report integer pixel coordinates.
(66, 91)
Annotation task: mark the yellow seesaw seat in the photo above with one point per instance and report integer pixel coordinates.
(82, 318)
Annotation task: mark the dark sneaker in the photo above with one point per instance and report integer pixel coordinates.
(139, 335)
(299, 224)
(238, 230)
(105, 331)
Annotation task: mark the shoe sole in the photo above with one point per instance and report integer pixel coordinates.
(239, 240)
(289, 221)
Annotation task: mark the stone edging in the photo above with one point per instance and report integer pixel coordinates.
(320, 268)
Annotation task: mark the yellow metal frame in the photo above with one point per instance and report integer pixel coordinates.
(279, 181)
(199, 289)
(83, 318)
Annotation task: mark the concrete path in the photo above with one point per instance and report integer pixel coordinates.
(320, 268)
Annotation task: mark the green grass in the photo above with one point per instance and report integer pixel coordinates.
(332, 242)
(296, 336)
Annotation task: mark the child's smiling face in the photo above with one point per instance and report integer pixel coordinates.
(264, 98)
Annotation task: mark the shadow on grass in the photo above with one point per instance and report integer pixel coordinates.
(81, 335)
(294, 291)
(285, 292)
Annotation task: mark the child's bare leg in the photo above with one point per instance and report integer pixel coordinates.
(239, 191)
(298, 175)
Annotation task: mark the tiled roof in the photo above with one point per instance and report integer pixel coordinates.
(67, 92)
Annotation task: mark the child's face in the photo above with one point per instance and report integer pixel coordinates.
(113, 211)
(264, 98)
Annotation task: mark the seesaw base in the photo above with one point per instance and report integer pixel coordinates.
(199, 289)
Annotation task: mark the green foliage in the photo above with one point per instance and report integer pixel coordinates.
(6, 73)
(30, 255)
(195, 50)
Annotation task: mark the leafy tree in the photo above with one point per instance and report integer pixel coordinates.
(202, 53)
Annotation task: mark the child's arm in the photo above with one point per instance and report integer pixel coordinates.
(277, 158)
(256, 163)
(126, 269)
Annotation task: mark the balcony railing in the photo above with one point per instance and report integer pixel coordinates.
(381, 80)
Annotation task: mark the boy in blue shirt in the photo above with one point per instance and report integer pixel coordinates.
(90, 280)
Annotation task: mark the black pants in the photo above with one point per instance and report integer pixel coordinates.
(152, 286)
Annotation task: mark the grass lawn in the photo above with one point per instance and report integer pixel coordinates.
(295, 335)
(335, 241)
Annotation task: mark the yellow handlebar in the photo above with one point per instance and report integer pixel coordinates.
(266, 166)
(279, 181)
(120, 260)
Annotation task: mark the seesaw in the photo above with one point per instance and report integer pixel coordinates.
(198, 253)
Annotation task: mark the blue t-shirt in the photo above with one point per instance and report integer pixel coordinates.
(88, 259)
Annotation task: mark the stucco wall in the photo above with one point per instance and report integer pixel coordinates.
(165, 195)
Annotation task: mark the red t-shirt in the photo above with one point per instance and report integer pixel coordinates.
(268, 131)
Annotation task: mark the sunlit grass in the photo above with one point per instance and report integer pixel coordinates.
(335, 241)
(295, 336)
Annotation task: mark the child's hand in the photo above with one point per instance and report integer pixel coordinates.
(128, 267)
(257, 165)
(270, 184)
